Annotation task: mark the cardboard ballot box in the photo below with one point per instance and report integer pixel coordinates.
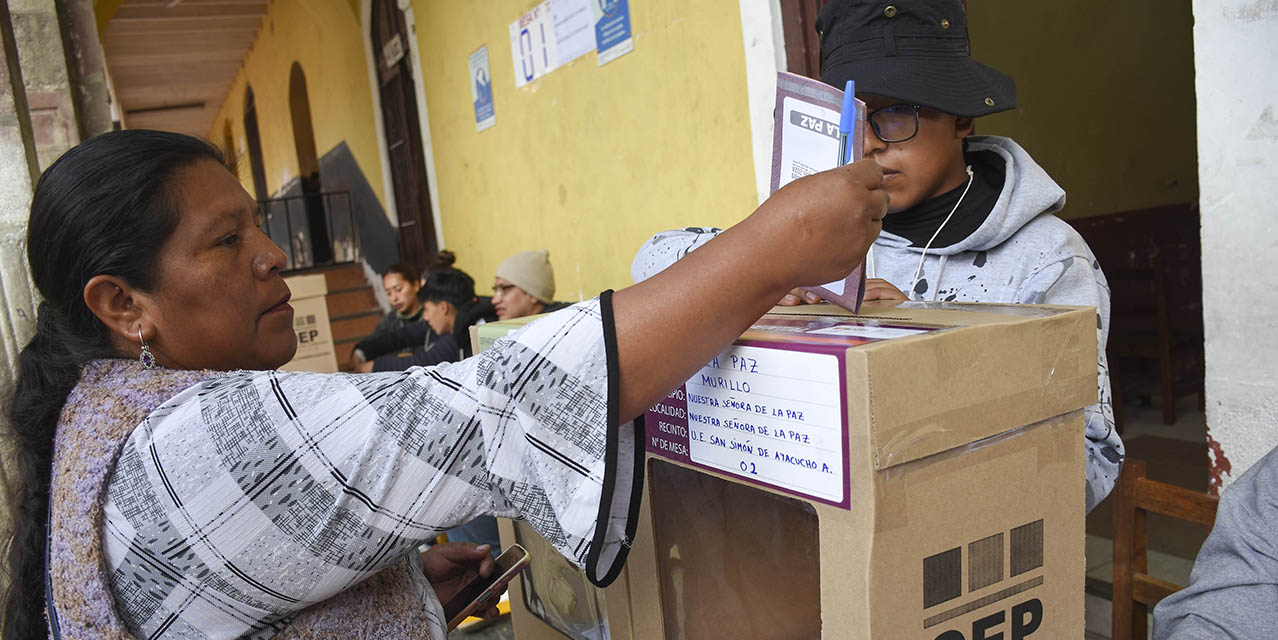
(910, 472)
(914, 471)
(552, 599)
(310, 319)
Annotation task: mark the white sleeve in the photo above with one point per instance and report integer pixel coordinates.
(279, 490)
(666, 248)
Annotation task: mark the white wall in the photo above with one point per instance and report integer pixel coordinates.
(765, 56)
(1236, 62)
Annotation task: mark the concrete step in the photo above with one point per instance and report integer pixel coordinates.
(356, 325)
(343, 302)
(345, 277)
(337, 277)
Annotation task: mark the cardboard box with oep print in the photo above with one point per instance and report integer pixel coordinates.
(909, 472)
(315, 351)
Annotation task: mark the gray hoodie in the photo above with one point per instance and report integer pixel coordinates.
(1021, 253)
(1233, 590)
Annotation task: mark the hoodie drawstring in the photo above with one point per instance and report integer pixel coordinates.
(869, 263)
(923, 256)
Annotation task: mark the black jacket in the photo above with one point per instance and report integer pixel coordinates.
(449, 347)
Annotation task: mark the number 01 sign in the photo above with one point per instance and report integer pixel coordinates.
(532, 44)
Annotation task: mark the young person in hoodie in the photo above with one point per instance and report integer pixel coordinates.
(971, 217)
(449, 309)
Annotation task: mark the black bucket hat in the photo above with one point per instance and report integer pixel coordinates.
(915, 51)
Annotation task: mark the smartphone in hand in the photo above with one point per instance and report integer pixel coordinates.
(479, 592)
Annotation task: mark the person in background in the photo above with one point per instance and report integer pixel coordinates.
(525, 285)
(401, 283)
(449, 309)
(971, 217)
(1233, 589)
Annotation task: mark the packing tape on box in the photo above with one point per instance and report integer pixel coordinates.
(891, 497)
(928, 436)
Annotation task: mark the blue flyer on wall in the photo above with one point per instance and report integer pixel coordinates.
(481, 89)
(612, 29)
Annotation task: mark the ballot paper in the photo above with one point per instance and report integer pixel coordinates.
(805, 141)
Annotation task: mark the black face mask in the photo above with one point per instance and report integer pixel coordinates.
(918, 223)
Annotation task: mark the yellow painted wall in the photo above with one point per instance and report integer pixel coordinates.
(1106, 96)
(326, 38)
(588, 161)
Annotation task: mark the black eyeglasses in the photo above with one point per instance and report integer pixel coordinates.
(895, 123)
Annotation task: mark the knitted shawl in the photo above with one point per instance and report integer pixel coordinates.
(109, 402)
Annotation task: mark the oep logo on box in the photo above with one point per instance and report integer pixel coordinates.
(1020, 615)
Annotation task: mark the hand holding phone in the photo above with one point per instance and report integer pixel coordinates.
(483, 591)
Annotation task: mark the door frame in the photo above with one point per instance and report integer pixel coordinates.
(764, 40)
(423, 117)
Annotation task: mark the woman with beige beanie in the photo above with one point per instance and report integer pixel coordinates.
(525, 285)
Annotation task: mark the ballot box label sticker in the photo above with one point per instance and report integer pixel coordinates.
(869, 331)
(851, 332)
(772, 415)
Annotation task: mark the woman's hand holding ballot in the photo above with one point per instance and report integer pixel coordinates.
(814, 230)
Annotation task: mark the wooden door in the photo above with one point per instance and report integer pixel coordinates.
(802, 45)
(403, 134)
(254, 141)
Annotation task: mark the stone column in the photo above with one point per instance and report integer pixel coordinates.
(18, 171)
(86, 66)
(44, 74)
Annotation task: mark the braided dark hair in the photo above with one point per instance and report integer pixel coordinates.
(106, 206)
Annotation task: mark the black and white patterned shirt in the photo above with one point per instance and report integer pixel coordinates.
(255, 494)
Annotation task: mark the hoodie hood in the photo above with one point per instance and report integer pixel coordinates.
(1028, 192)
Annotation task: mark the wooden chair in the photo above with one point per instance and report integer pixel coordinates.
(1152, 260)
(1135, 591)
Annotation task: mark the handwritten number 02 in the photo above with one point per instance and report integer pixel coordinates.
(748, 467)
(526, 55)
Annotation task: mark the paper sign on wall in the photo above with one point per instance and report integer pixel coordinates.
(574, 29)
(612, 29)
(532, 44)
(481, 89)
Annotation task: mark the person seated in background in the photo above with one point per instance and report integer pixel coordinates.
(401, 283)
(449, 309)
(1233, 589)
(525, 286)
(971, 217)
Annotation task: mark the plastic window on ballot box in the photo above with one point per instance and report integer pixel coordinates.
(733, 561)
(557, 592)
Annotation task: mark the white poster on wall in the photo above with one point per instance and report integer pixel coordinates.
(481, 89)
(612, 29)
(574, 29)
(532, 44)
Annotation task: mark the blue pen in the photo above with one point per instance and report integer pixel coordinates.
(846, 117)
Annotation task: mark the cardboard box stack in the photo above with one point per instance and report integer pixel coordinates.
(310, 318)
